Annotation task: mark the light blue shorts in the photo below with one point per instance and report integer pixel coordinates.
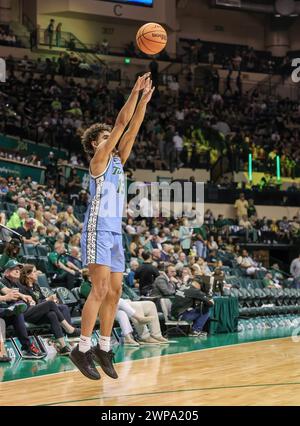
(103, 248)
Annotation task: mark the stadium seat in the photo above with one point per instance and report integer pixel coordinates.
(46, 291)
(66, 297)
(42, 251)
(172, 325)
(11, 208)
(43, 281)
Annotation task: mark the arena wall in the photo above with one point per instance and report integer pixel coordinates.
(198, 20)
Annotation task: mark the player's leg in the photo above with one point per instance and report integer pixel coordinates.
(100, 279)
(107, 312)
(82, 355)
(96, 249)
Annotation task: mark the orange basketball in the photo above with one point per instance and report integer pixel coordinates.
(151, 38)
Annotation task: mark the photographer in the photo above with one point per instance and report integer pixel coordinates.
(192, 303)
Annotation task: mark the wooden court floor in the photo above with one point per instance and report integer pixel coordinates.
(258, 373)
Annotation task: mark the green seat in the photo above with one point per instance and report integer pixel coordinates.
(66, 297)
(260, 297)
(46, 291)
(269, 298)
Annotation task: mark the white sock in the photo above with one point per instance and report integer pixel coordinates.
(104, 343)
(84, 344)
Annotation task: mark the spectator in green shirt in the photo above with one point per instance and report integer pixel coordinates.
(66, 273)
(268, 281)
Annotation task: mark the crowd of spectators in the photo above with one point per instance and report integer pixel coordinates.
(177, 258)
(186, 127)
(7, 37)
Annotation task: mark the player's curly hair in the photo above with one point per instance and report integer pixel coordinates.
(91, 134)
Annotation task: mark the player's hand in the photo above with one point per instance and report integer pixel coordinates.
(141, 82)
(148, 91)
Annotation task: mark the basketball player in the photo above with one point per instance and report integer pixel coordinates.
(101, 241)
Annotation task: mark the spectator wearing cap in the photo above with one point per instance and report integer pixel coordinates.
(11, 252)
(192, 303)
(17, 218)
(27, 231)
(13, 305)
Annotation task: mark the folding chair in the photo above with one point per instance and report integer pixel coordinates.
(177, 325)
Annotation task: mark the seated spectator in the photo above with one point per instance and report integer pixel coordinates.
(247, 228)
(42, 310)
(145, 274)
(11, 313)
(143, 315)
(11, 252)
(130, 278)
(145, 320)
(135, 245)
(269, 281)
(204, 268)
(212, 259)
(166, 283)
(17, 218)
(186, 275)
(70, 219)
(248, 264)
(212, 244)
(182, 262)
(75, 257)
(26, 230)
(66, 273)
(12, 306)
(191, 303)
(166, 253)
(156, 255)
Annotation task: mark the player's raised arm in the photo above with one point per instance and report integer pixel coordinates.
(129, 137)
(107, 145)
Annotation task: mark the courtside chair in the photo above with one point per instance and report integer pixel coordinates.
(172, 325)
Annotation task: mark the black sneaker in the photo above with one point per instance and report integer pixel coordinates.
(64, 351)
(105, 359)
(76, 333)
(84, 362)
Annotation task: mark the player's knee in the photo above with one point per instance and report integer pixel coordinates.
(100, 290)
(115, 294)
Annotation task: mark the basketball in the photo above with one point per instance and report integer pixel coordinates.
(151, 38)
